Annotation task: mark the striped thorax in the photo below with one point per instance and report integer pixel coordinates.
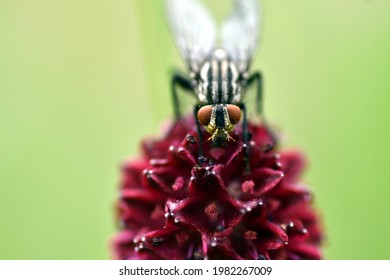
(218, 81)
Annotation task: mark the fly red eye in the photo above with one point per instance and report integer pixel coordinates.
(234, 113)
(204, 114)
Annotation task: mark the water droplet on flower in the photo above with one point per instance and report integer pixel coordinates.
(242, 211)
(202, 160)
(166, 215)
(248, 209)
(213, 243)
(261, 257)
(171, 148)
(148, 173)
(143, 239)
(191, 139)
(285, 242)
(156, 241)
(176, 220)
(220, 227)
(141, 246)
(136, 249)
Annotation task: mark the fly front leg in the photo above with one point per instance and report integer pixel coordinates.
(186, 84)
(245, 136)
(201, 159)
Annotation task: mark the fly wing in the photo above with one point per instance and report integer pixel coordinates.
(241, 32)
(193, 29)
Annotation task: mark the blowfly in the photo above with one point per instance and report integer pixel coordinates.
(218, 62)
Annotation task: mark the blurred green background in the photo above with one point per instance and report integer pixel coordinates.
(81, 82)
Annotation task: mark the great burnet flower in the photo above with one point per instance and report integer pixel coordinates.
(170, 207)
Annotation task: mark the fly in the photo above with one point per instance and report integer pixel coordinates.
(218, 66)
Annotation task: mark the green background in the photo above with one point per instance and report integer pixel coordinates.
(81, 82)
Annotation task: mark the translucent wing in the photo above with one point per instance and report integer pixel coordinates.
(240, 32)
(193, 29)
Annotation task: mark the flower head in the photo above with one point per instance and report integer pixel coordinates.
(170, 207)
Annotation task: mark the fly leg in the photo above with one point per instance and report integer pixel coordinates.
(257, 77)
(245, 136)
(185, 83)
(201, 159)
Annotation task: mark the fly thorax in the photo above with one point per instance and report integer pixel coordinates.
(218, 78)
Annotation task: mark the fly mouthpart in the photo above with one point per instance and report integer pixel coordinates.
(220, 133)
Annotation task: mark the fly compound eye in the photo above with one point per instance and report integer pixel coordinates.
(234, 113)
(204, 114)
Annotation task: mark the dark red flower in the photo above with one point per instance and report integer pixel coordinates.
(172, 208)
